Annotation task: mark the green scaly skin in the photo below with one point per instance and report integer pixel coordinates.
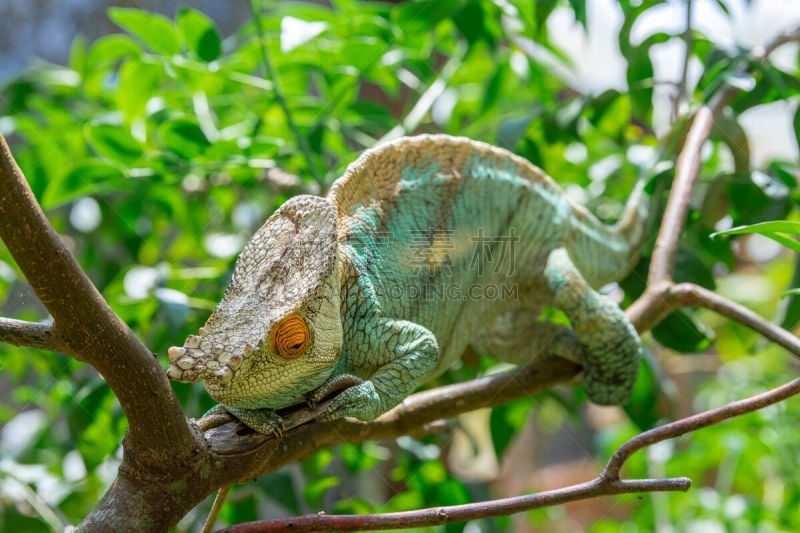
(424, 245)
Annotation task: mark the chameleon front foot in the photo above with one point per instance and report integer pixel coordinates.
(333, 384)
(264, 421)
(361, 401)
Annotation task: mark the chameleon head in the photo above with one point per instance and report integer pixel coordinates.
(277, 332)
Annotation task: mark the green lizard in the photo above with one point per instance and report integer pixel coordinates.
(424, 245)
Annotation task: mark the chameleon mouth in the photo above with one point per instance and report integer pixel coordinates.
(203, 359)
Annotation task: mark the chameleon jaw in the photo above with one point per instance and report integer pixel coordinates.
(202, 359)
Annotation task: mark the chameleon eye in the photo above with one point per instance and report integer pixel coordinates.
(290, 336)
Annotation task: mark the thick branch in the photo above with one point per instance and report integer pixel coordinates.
(416, 411)
(85, 325)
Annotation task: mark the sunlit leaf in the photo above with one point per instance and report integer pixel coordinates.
(683, 332)
(138, 82)
(773, 230)
(199, 34)
(184, 137)
(89, 177)
(154, 30)
(109, 49)
(296, 32)
(114, 142)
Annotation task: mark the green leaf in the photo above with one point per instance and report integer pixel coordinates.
(758, 197)
(138, 82)
(494, 88)
(689, 268)
(797, 126)
(579, 9)
(422, 15)
(154, 30)
(788, 242)
(114, 142)
(513, 129)
(199, 34)
(315, 489)
(184, 137)
(475, 24)
(683, 332)
(110, 49)
(782, 226)
(506, 420)
(790, 308)
(77, 54)
(642, 408)
(91, 176)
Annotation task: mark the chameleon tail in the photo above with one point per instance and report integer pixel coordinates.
(633, 222)
(608, 253)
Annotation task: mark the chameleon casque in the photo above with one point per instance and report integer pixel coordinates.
(424, 245)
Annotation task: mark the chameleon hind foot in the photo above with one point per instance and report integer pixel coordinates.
(611, 346)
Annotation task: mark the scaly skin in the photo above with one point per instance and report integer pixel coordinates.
(424, 245)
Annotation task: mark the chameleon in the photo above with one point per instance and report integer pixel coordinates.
(424, 245)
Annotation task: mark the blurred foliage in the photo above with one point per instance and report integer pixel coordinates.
(154, 153)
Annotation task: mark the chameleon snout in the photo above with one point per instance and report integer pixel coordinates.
(203, 359)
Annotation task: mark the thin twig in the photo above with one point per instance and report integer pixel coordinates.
(30, 334)
(658, 302)
(687, 172)
(683, 83)
(690, 294)
(698, 421)
(211, 519)
(302, 143)
(608, 483)
(459, 513)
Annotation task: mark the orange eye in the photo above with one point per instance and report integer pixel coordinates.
(290, 336)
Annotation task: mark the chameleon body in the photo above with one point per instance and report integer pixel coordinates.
(424, 245)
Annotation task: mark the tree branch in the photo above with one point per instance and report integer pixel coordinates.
(85, 326)
(682, 86)
(30, 334)
(698, 421)
(687, 171)
(658, 302)
(416, 411)
(606, 484)
(459, 513)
